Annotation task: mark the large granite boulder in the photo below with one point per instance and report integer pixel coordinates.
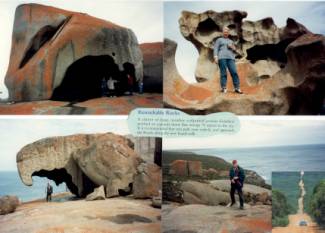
(201, 193)
(271, 64)
(152, 66)
(63, 55)
(82, 161)
(98, 194)
(8, 204)
(147, 181)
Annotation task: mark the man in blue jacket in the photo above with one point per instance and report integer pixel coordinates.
(224, 55)
(237, 178)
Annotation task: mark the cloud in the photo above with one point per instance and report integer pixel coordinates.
(16, 133)
(310, 14)
(145, 18)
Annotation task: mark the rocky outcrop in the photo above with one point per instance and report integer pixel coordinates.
(98, 194)
(207, 168)
(186, 168)
(152, 66)
(58, 54)
(212, 219)
(202, 193)
(122, 214)
(8, 204)
(271, 64)
(252, 193)
(147, 181)
(144, 147)
(82, 161)
(100, 106)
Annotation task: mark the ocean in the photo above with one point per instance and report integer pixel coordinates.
(264, 160)
(11, 184)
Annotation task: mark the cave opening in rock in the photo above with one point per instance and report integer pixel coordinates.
(60, 176)
(87, 77)
(275, 52)
(43, 35)
(207, 26)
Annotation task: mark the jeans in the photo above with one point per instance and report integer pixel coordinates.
(239, 189)
(231, 65)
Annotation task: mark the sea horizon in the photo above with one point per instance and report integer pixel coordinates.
(264, 160)
(11, 184)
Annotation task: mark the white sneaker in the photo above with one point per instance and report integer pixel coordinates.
(238, 91)
(224, 90)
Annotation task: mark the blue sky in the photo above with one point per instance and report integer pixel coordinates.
(17, 132)
(260, 131)
(310, 14)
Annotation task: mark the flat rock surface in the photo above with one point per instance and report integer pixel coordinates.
(102, 216)
(215, 219)
(100, 106)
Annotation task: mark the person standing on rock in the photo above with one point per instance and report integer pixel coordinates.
(237, 178)
(224, 55)
(49, 191)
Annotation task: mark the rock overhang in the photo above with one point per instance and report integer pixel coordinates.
(47, 40)
(268, 67)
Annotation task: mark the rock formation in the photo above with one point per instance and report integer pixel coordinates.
(62, 55)
(200, 193)
(186, 168)
(202, 218)
(98, 194)
(147, 181)
(274, 74)
(84, 162)
(252, 194)
(8, 204)
(152, 66)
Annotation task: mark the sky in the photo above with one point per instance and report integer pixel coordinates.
(310, 14)
(145, 18)
(257, 131)
(17, 132)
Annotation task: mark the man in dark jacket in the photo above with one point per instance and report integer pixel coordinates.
(49, 191)
(237, 178)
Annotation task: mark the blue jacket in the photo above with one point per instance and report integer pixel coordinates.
(240, 174)
(220, 49)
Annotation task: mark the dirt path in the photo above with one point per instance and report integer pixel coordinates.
(295, 219)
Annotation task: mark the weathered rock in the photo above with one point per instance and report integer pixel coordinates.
(121, 214)
(147, 181)
(157, 201)
(82, 161)
(144, 147)
(100, 106)
(186, 168)
(271, 67)
(211, 219)
(152, 66)
(60, 54)
(194, 168)
(201, 193)
(252, 193)
(179, 168)
(8, 204)
(172, 191)
(98, 194)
